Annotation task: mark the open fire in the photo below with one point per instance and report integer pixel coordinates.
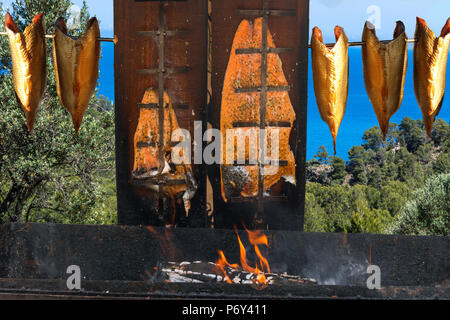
(221, 271)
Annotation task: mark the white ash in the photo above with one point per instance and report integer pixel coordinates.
(209, 272)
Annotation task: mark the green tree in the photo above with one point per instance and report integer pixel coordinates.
(393, 196)
(336, 205)
(409, 169)
(441, 132)
(427, 213)
(53, 175)
(322, 155)
(376, 177)
(315, 216)
(373, 139)
(384, 176)
(23, 12)
(365, 220)
(424, 153)
(446, 146)
(412, 133)
(357, 165)
(344, 209)
(338, 172)
(442, 163)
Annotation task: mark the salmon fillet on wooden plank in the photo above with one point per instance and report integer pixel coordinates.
(147, 164)
(76, 63)
(244, 71)
(29, 62)
(330, 68)
(430, 67)
(384, 67)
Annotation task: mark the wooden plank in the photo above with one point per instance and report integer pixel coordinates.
(288, 23)
(137, 49)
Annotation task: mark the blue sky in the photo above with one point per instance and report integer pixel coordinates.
(350, 14)
(103, 9)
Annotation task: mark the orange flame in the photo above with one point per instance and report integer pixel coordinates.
(222, 262)
(243, 255)
(165, 243)
(255, 238)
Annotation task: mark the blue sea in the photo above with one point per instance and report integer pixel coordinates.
(358, 118)
(106, 79)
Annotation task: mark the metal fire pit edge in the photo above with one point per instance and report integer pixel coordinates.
(56, 289)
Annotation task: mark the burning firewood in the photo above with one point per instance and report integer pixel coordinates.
(209, 272)
(224, 272)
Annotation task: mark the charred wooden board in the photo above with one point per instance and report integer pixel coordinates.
(182, 41)
(288, 22)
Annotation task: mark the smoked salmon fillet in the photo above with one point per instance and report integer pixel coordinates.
(385, 67)
(76, 62)
(147, 164)
(330, 73)
(430, 67)
(240, 117)
(29, 62)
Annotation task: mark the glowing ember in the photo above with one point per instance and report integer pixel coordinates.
(262, 267)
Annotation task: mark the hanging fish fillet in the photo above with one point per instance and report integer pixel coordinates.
(240, 117)
(430, 66)
(384, 72)
(147, 161)
(76, 63)
(330, 73)
(29, 62)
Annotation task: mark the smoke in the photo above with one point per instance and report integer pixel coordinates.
(346, 274)
(335, 268)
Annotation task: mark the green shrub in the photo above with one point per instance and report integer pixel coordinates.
(428, 212)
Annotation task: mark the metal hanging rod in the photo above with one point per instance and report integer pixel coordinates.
(50, 36)
(360, 43)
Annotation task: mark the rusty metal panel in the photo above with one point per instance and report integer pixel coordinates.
(288, 22)
(162, 45)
